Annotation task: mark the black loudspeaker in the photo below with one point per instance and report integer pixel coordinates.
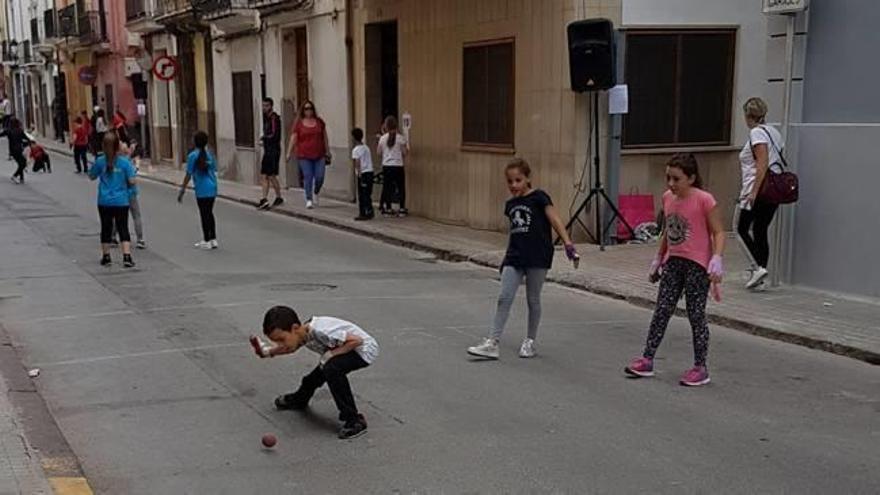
(591, 55)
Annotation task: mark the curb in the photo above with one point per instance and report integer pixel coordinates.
(60, 465)
(444, 254)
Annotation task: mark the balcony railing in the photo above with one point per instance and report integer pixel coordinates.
(167, 7)
(90, 27)
(211, 7)
(49, 24)
(135, 9)
(35, 31)
(67, 21)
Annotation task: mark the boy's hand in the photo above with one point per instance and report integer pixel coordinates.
(260, 348)
(327, 356)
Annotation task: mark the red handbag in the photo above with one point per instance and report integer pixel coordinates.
(780, 186)
(635, 209)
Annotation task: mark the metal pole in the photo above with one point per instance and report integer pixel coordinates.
(781, 218)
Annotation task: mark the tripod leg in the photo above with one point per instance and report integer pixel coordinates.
(616, 214)
(576, 218)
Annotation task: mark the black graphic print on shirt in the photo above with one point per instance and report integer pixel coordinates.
(530, 244)
(678, 229)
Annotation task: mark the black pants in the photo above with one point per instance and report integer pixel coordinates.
(80, 158)
(681, 275)
(114, 217)
(334, 375)
(22, 165)
(43, 163)
(753, 227)
(393, 187)
(365, 194)
(206, 212)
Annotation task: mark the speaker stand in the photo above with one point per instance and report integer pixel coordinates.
(597, 192)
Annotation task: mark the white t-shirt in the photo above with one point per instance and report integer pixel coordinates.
(757, 135)
(327, 333)
(362, 152)
(393, 156)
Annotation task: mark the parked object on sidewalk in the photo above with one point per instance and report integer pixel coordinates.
(343, 347)
(688, 262)
(635, 209)
(529, 256)
(646, 233)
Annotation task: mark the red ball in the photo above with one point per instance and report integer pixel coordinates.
(269, 440)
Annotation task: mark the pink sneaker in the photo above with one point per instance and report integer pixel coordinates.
(640, 368)
(695, 377)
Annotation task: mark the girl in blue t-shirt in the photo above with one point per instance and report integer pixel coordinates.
(115, 175)
(202, 168)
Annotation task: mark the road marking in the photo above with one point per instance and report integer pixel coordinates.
(460, 329)
(70, 486)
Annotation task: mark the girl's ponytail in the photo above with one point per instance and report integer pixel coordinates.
(201, 141)
(391, 129)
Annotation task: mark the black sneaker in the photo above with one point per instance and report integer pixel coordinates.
(127, 261)
(283, 404)
(353, 429)
(264, 204)
(278, 201)
(361, 218)
(105, 260)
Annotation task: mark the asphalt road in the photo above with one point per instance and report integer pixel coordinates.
(150, 377)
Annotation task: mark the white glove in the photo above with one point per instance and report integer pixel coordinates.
(327, 356)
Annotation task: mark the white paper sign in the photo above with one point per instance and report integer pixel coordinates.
(141, 109)
(618, 99)
(406, 122)
(784, 6)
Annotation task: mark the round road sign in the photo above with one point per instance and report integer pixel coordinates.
(87, 74)
(165, 67)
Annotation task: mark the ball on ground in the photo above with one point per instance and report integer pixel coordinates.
(269, 440)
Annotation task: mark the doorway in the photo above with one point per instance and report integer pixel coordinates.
(381, 69)
(295, 69)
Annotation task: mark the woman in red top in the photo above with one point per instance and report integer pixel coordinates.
(311, 149)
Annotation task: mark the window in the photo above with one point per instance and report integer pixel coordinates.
(681, 88)
(243, 108)
(488, 94)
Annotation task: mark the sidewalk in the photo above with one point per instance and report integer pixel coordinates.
(831, 323)
(20, 470)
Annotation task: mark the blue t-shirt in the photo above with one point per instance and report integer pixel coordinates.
(205, 182)
(113, 189)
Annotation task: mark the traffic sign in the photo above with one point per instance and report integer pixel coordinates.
(87, 74)
(166, 67)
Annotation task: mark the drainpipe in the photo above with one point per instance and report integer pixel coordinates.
(349, 59)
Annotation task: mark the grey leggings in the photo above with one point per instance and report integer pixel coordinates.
(135, 209)
(511, 277)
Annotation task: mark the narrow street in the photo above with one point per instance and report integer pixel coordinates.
(149, 375)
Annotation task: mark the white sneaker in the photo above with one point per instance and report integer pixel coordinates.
(757, 277)
(527, 350)
(202, 245)
(309, 205)
(488, 349)
(214, 244)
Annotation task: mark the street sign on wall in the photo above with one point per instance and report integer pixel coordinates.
(87, 74)
(784, 6)
(165, 68)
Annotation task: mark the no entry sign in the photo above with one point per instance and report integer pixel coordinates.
(165, 67)
(87, 74)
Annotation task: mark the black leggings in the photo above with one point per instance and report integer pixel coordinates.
(753, 227)
(114, 216)
(394, 183)
(681, 275)
(206, 212)
(22, 165)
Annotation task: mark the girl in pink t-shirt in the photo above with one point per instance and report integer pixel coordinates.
(689, 260)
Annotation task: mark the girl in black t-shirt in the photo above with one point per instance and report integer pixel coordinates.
(533, 218)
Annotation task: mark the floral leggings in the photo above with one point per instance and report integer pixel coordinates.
(682, 275)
